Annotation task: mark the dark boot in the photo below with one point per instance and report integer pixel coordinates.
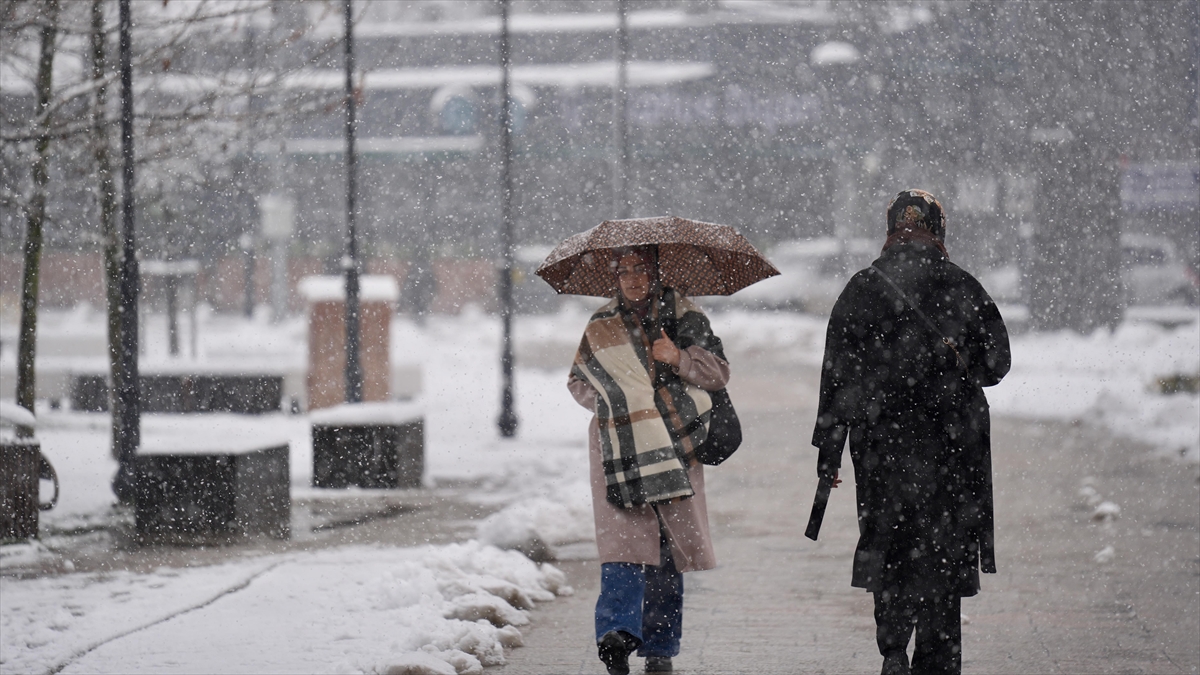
(614, 650)
(895, 663)
(658, 664)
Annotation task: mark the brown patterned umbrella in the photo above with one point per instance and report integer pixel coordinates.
(694, 258)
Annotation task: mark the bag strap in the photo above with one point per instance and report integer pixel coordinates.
(46, 472)
(949, 342)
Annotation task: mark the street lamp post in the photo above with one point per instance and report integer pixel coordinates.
(127, 400)
(620, 97)
(508, 418)
(354, 375)
(246, 243)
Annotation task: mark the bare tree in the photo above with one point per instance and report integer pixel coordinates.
(200, 68)
(106, 197)
(36, 214)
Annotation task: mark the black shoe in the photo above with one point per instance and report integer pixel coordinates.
(615, 648)
(658, 664)
(896, 664)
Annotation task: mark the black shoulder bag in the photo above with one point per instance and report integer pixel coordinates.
(724, 427)
(724, 430)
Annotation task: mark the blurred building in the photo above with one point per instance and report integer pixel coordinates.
(788, 119)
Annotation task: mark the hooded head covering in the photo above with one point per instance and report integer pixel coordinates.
(916, 209)
(916, 216)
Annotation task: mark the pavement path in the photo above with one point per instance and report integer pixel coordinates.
(780, 603)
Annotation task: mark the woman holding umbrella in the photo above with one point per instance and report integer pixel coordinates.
(645, 366)
(649, 389)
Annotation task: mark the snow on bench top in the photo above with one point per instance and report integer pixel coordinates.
(250, 365)
(211, 434)
(368, 414)
(13, 415)
(330, 288)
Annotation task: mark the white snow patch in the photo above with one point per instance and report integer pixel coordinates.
(421, 663)
(368, 413)
(12, 415)
(563, 518)
(355, 609)
(1106, 511)
(26, 554)
(1090, 495)
(332, 288)
(1109, 379)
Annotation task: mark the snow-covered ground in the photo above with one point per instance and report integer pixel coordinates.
(453, 608)
(1110, 379)
(434, 609)
(439, 610)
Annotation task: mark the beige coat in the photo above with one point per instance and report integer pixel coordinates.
(631, 535)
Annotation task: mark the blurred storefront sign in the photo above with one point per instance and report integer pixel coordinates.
(1166, 185)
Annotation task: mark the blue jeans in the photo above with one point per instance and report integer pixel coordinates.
(645, 601)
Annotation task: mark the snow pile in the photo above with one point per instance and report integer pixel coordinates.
(539, 479)
(535, 525)
(443, 609)
(1111, 379)
(27, 554)
(1106, 512)
(12, 416)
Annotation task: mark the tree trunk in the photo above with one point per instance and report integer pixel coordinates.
(107, 198)
(36, 217)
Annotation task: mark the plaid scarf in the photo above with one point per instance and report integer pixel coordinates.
(650, 420)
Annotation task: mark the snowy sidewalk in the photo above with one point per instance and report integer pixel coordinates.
(780, 603)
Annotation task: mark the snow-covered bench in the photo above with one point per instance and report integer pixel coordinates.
(369, 445)
(246, 393)
(212, 478)
(19, 468)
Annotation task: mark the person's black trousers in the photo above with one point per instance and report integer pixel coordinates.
(937, 619)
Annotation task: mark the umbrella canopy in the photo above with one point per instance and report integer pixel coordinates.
(694, 258)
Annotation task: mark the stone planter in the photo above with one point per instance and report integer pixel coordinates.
(202, 481)
(369, 445)
(19, 463)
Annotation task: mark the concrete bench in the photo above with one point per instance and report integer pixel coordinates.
(19, 488)
(368, 445)
(20, 466)
(250, 394)
(211, 480)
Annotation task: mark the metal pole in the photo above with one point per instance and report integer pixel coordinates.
(508, 418)
(354, 376)
(192, 327)
(127, 400)
(247, 242)
(620, 169)
(172, 288)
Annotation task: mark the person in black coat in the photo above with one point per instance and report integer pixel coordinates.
(911, 342)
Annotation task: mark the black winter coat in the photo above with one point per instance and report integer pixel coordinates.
(918, 423)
